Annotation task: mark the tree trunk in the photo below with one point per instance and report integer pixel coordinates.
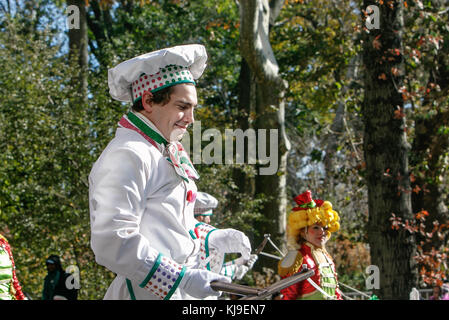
(335, 137)
(78, 53)
(255, 18)
(386, 155)
(245, 184)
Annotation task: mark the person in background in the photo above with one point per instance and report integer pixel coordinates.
(439, 293)
(204, 206)
(445, 291)
(10, 288)
(55, 282)
(203, 211)
(309, 228)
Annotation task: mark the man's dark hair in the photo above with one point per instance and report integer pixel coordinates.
(159, 97)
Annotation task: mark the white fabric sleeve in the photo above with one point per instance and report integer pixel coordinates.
(117, 186)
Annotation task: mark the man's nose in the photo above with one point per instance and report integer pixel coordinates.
(188, 116)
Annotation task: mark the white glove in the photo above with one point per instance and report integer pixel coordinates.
(230, 241)
(248, 262)
(243, 266)
(240, 271)
(252, 260)
(196, 283)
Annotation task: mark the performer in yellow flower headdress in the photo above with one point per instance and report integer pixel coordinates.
(309, 228)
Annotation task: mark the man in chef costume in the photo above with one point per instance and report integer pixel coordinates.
(142, 187)
(203, 211)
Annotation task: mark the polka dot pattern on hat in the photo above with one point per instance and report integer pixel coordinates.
(168, 76)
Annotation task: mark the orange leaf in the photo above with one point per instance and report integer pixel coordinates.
(398, 114)
(395, 71)
(376, 44)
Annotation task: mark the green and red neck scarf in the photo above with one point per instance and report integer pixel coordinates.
(177, 156)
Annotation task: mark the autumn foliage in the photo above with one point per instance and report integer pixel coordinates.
(432, 262)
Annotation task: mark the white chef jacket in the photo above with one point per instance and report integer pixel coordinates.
(138, 209)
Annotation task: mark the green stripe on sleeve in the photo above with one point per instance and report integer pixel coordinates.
(152, 271)
(130, 289)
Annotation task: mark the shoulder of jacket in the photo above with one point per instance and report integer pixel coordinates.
(291, 263)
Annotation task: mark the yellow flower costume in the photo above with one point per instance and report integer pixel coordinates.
(307, 213)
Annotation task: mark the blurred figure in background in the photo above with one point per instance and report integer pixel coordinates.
(203, 211)
(55, 283)
(204, 206)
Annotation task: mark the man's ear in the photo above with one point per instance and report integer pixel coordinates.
(147, 101)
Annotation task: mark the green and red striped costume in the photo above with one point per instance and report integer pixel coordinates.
(9, 285)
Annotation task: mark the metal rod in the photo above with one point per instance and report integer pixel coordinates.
(262, 245)
(362, 293)
(284, 283)
(270, 255)
(282, 254)
(235, 288)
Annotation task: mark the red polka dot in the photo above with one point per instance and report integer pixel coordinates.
(155, 87)
(159, 78)
(146, 77)
(153, 80)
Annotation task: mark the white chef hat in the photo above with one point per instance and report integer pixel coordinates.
(204, 204)
(156, 70)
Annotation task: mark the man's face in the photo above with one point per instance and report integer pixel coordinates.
(173, 118)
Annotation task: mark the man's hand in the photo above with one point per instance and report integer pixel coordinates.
(230, 241)
(196, 283)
